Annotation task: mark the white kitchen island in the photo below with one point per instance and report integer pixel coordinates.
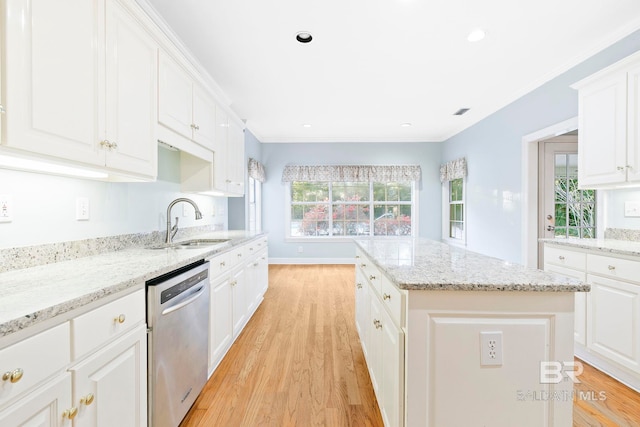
(455, 338)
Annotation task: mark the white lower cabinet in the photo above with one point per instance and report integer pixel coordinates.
(110, 387)
(614, 321)
(382, 343)
(239, 279)
(607, 319)
(92, 370)
(238, 285)
(42, 407)
(221, 321)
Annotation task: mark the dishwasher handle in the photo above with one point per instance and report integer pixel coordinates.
(188, 301)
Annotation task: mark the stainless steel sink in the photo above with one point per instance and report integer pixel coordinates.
(192, 244)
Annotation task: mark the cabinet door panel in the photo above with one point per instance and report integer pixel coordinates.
(392, 406)
(221, 322)
(238, 283)
(116, 377)
(633, 123)
(53, 62)
(42, 407)
(174, 96)
(614, 321)
(204, 117)
(131, 94)
(602, 123)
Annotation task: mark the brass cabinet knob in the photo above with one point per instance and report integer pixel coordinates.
(372, 277)
(119, 319)
(363, 265)
(222, 264)
(386, 296)
(620, 168)
(105, 143)
(560, 257)
(359, 286)
(611, 267)
(113, 146)
(88, 399)
(239, 255)
(235, 282)
(377, 323)
(195, 126)
(13, 376)
(70, 413)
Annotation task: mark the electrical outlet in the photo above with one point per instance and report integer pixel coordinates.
(82, 209)
(632, 208)
(491, 348)
(6, 208)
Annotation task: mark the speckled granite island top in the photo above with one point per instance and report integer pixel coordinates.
(611, 246)
(32, 295)
(421, 264)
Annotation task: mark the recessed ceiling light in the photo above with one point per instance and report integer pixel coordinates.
(405, 125)
(304, 36)
(306, 125)
(476, 35)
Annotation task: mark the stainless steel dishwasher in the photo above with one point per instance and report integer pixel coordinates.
(178, 322)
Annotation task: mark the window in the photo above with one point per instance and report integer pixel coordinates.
(575, 210)
(345, 209)
(452, 176)
(255, 204)
(456, 209)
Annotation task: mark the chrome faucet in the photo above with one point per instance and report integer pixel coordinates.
(171, 231)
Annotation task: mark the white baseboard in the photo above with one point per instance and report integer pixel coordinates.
(609, 368)
(311, 260)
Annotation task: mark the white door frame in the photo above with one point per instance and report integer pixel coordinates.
(530, 186)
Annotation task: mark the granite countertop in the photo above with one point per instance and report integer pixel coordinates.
(611, 246)
(35, 294)
(421, 264)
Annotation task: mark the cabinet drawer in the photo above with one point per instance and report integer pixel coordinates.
(565, 258)
(237, 255)
(615, 268)
(37, 357)
(255, 246)
(576, 274)
(393, 299)
(95, 328)
(371, 273)
(219, 264)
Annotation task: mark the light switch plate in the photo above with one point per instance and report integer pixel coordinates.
(82, 208)
(632, 208)
(6, 208)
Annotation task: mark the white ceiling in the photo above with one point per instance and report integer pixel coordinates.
(374, 64)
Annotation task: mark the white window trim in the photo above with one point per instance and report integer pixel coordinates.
(445, 215)
(287, 216)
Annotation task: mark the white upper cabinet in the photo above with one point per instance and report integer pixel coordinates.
(52, 64)
(184, 106)
(80, 84)
(609, 126)
(131, 85)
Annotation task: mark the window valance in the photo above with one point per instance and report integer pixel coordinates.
(256, 170)
(351, 173)
(453, 170)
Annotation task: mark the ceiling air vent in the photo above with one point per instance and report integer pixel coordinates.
(460, 111)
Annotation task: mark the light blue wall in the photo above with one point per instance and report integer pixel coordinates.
(493, 151)
(237, 205)
(44, 206)
(615, 208)
(276, 156)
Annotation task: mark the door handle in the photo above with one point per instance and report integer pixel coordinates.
(550, 227)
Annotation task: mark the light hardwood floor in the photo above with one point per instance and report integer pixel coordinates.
(299, 363)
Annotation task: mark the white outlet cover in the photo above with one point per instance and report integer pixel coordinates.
(491, 348)
(82, 209)
(6, 208)
(632, 208)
